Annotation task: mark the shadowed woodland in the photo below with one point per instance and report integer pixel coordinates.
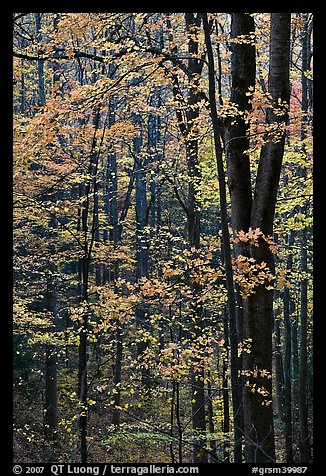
(163, 237)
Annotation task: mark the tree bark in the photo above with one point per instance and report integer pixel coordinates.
(22, 96)
(237, 142)
(243, 74)
(303, 358)
(51, 304)
(154, 136)
(51, 360)
(141, 240)
(278, 366)
(193, 224)
(87, 223)
(287, 364)
(225, 391)
(295, 371)
(235, 364)
(258, 309)
(303, 412)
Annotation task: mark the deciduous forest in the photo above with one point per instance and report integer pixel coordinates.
(163, 237)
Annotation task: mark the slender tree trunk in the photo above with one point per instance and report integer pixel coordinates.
(40, 64)
(87, 223)
(114, 274)
(180, 432)
(51, 412)
(112, 234)
(187, 122)
(235, 365)
(51, 360)
(210, 415)
(22, 96)
(225, 391)
(97, 237)
(278, 366)
(116, 413)
(172, 421)
(287, 364)
(141, 202)
(82, 366)
(303, 412)
(141, 240)
(295, 367)
(197, 376)
(193, 224)
(154, 125)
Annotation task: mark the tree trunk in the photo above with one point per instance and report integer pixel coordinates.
(22, 96)
(187, 119)
(243, 74)
(112, 234)
(295, 371)
(141, 241)
(235, 364)
(210, 415)
(154, 124)
(225, 391)
(87, 228)
(278, 366)
(258, 309)
(51, 361)
(82, 365)
(40, 64)
(287, 364)
(193, 224)
(303, 412)
(51, 412)
(237, 143)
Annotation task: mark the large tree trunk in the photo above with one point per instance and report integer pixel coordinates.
(237, 143)
(243, 74)
(258, 308)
